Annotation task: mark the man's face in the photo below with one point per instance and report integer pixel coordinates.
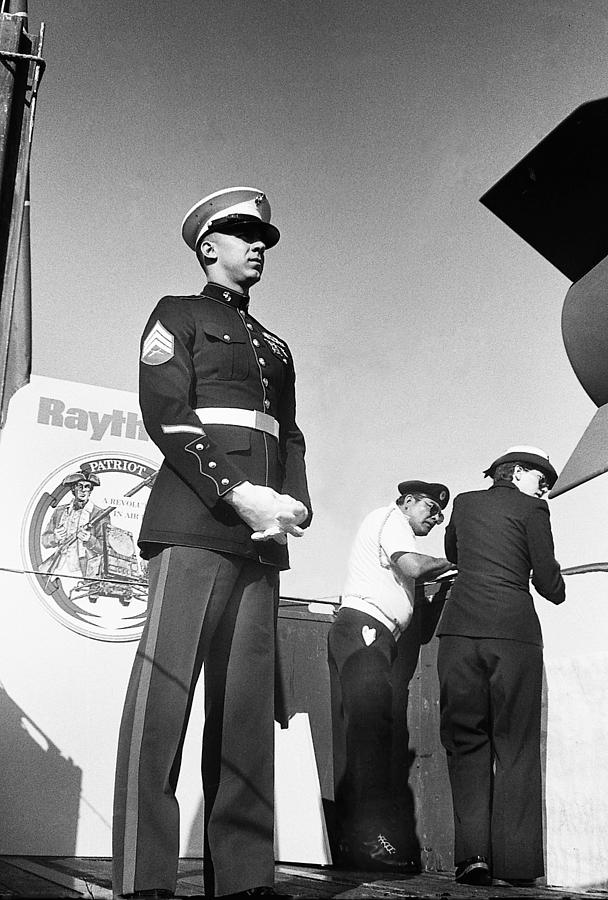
(82, 492)
(530, 481)
(423, 514)
(239, 256)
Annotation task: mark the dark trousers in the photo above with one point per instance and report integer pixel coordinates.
(490, 727)
(362, 718)
(218, 610)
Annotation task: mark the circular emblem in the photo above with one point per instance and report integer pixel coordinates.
(79, 542)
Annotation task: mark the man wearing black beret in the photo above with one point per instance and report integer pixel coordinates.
(376, 608)
(490, 667)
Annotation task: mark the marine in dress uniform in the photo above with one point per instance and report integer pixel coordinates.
(376, 607)
(490, 668)
(217, 396)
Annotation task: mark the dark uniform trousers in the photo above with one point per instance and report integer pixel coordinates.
(219, 610)
(362, 718)
(491, 692)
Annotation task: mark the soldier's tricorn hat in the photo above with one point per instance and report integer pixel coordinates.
(226, 209)
(76, 477)
(533, 457)
(437, 492)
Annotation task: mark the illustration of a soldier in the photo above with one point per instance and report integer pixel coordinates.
(74, 530)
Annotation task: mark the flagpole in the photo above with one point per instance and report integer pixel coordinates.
(15, 152)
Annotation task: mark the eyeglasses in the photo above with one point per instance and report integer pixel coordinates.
(543, 484)
(434, 509)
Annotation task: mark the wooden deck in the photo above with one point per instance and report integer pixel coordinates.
(67, 877)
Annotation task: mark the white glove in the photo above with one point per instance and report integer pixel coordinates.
(270, 515)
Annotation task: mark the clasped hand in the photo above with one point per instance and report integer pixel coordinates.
(270, 515)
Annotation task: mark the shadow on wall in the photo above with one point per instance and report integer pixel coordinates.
(39, 789)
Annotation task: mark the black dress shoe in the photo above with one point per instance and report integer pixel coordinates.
(152, 894)
(263, 891)
(378, 853)
(474, 870)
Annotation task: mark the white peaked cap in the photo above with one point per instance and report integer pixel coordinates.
(226, 208)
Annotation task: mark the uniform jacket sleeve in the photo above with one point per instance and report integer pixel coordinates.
(166, 394)
(450, 542)
(546, 575)
(293, 447)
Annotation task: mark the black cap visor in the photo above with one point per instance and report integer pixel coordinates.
(235, 221)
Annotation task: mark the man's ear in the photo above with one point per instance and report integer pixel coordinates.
(207, 249)
(517, 473)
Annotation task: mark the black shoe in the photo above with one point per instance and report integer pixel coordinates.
(474, 870)
(379, 854)
(263, 891)
(152, 894)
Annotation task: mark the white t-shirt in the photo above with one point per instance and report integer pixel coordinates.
(372, 578)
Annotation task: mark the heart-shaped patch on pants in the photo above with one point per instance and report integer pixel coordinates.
(368, 634)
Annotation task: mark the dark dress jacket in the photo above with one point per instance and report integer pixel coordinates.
(220, 357)
(497, 537)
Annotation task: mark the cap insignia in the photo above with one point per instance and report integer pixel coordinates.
(259, 199)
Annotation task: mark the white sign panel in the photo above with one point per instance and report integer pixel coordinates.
(72, 605)
(78, 466)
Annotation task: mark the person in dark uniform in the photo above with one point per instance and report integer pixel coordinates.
(490, 668)
(376, 608)
(217, 397)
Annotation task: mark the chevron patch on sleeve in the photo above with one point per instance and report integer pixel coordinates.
(158, 346)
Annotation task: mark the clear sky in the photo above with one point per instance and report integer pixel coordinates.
(426, 334)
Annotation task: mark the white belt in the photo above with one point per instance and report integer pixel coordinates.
(248, 418)
(349, 601)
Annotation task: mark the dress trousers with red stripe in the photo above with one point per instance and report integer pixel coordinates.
(213, 594)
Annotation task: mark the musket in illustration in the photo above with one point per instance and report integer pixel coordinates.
(47, 567)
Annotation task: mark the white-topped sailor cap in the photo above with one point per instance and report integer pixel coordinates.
(226, 208)
(534, 457)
